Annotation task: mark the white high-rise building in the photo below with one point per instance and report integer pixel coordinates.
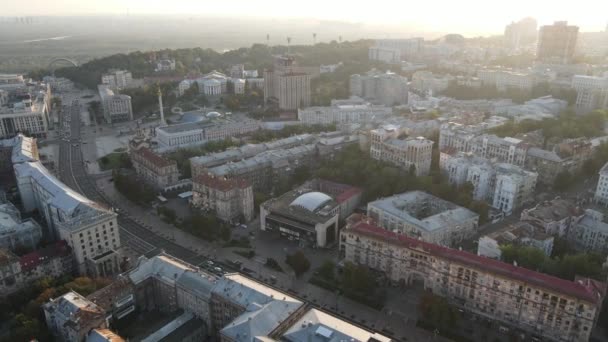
(513, 187)
(591, 92)
(116, 108)
(117, 79)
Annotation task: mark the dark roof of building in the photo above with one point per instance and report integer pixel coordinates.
(37, 257)
(154, 158)
(583, 288)
(221, 183)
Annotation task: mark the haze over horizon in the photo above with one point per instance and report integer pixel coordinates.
(433, 16)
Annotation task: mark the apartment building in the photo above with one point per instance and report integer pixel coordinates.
(386, 88)
(354, 110)
(557, 42)
(265, 169)
(153, 168)
(16, 233)
(554, 308)
(71, 317)
(200, 164)
(555, 217)
(17, 272)
(429, 83)
(504, 79)
(513, 187)
(591, 92)
(116, 107)
(424, 216)
(231, 200)
(601, 191)
(405, 153)
(117, 79)
(287, 84)
(590, 232)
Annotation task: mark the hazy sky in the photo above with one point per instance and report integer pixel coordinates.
(434, 15)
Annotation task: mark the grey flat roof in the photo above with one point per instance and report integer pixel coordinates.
(404, 206)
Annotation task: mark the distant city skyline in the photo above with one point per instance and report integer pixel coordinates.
(467, 16)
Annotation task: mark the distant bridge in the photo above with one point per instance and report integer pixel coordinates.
(61, 59)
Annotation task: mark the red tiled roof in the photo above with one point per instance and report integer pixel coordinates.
(352, 191)
(32, 260)
(583, 288)
(221, 183)
(154, 158)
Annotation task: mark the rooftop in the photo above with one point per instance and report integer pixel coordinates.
(302, 205)
(244, 291)
(221, 183)
(424, 210)
(31, 260)
(73, 205)
(153, 158)
(585, 289)
(318, 326)
(554, 210)
(103, 335)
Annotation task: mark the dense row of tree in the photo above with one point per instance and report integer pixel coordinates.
(565, 266)
(461, 92)
(199, 60)
(132, 188)
(566, 125)
(145, 100)
(352, 281)
(206, 227)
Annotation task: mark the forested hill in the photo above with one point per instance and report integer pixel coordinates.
(199, 60)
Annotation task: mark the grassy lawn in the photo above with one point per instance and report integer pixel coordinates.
(112, 161)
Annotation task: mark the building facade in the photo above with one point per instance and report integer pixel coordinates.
(153, 168)
(557, 42)
(24, 109)
(90, 229)
(308, 217)
(116, 108)
(601, 191)
(16, 233)
(591, 92)
(513, 187)
(288, 84)
(344, 112)
(556, 309)
(230, 199)
(71, 317)
(117, 79)
(406, 153)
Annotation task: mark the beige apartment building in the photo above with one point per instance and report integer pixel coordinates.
(230, 199)
(154, 169)
(543, 305)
